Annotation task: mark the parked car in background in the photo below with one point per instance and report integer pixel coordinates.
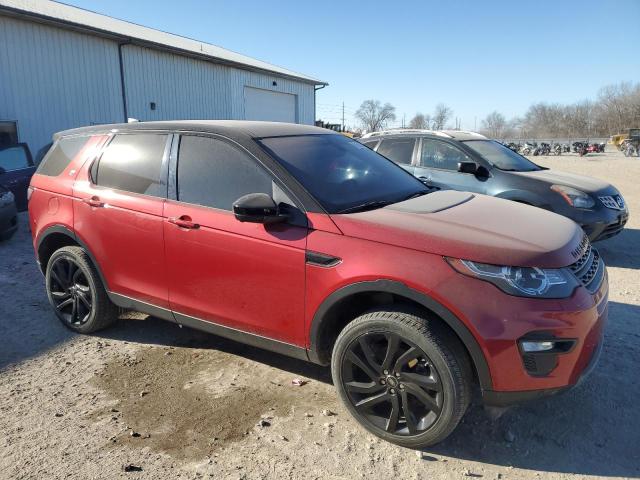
(303, 241)
(8, 214)
(16, 169)
(466, 161)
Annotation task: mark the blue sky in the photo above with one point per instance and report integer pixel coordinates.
(475, 56)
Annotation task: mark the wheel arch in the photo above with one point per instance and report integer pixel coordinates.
(58, 236)
(345, 304)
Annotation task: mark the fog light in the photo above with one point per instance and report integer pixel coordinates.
(537, 346)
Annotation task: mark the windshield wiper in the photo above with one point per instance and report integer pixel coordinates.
(367, 206)
(415, 195)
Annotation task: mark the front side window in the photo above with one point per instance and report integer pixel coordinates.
(213, 173)
(65, 150)
(502, 157)
(400, 150)
(133, 163)
(442, 155)
(342, 174)
(15, 157)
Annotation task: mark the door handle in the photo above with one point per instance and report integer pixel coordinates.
(94, 202)
(183, 221)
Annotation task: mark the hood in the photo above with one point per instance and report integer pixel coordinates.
(581, 182)
(472, 227)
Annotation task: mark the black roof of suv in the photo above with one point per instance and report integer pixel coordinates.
(468, 161)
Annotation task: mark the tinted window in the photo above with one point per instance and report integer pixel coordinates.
(437, 154)
(399, 150)
(133, 163)
(371, 144)
(341, 173)
(14, 158)
(502, 157)
(60, 156)
(213, 173)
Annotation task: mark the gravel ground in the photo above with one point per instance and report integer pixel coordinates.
(180, 404)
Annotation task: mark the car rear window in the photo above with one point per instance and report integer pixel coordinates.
(60, 155)
(133, 163)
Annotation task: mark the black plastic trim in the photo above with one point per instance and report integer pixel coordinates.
(397, 288)
(243, 337)
(139, 306)
(321, 259)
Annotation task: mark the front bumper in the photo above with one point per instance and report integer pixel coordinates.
(8, 220)
(495, 398)
(609, 226)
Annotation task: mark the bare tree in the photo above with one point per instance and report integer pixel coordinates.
(441, 115)
(374, 116)
(420, 121)
(494, 125)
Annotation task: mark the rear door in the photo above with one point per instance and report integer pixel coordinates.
(118, 207)
(16, 170)
(438, 167)
(246, 276)
(400, 150)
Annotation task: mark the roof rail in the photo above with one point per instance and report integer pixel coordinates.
(406, 131)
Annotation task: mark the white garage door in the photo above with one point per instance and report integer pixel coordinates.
(267, 105)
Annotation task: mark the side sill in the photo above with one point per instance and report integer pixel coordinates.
(139, 306)
(243, 337)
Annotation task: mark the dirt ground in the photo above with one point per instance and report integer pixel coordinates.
(181, 404)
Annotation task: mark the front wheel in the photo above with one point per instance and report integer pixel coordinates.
(405, 378)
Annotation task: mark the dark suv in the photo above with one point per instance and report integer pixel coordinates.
(467, 161)
(302, 241)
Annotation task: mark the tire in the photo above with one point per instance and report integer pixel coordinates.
(438, 353)
(72, 277)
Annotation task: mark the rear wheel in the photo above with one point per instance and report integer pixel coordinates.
(76, 293)
(403, 377)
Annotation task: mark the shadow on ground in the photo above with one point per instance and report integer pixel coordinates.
(622, 250)
(591, 430)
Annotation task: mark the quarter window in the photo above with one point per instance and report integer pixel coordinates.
(400, 150)
(54, 162)
(213, 173)
(133, 163)
(437, 154)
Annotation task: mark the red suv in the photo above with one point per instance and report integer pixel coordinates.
(302, 241)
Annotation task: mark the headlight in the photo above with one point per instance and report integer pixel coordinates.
(6, 198)
(521, 281)
(574, 197)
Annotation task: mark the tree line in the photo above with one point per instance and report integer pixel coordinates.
(615, 109)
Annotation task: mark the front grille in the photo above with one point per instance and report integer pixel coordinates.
(589, 269)
(614, 202)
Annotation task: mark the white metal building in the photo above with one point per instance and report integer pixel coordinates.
(64, 67)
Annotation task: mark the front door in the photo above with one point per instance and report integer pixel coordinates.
(16, 170)
(245, 276)
(438, 167)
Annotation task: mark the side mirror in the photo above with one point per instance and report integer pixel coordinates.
(468, 167)
(258, 208)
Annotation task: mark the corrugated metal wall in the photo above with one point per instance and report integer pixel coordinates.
(52, 79)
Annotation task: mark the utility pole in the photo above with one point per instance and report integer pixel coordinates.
(343, 116)
(475, 124)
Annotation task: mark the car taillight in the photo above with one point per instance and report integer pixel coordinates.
(29, 192)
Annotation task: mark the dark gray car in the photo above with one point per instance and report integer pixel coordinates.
(458, 160)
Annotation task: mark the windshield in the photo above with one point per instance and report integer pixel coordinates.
(501, 157)
(342, 174)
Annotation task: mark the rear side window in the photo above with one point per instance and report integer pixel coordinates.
(133, 163)
(371, 144)
(399, 150)
(442, 155)
(57, 159)
(15, 157)
(213, 173)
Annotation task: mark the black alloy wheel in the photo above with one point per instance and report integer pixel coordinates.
(392, 383)
(70, 291)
